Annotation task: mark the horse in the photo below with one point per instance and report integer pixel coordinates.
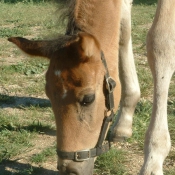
(92, 71)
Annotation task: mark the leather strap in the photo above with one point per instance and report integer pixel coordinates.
(110, 85)
(104, 128)
(82, 155)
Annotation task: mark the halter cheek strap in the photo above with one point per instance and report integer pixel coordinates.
(102, 146)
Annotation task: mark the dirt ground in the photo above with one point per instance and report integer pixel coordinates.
(133, 164)
(135, 156)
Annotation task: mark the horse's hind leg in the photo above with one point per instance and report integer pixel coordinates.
(161, 58)
(128, 77)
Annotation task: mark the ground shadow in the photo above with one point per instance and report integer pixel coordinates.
(17, 168)
(7, 101)
(36, 126)
(145, 2)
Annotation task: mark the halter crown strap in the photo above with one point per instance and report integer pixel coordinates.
(110, 85)
(101, 146)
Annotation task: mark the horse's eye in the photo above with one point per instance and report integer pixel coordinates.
(87, 100)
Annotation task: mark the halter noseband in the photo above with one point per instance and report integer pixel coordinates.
(102, 146)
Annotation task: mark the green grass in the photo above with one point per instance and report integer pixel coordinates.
(28, 67)
(27, 19)
(26, 114)
(8, 137)
(142, 17)
(141, 121)
(44, 155)
(143, 2)
(17, 130)
(111, 163)
(25, 72)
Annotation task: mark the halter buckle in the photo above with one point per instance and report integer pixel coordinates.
(110, 84)
(78, 155)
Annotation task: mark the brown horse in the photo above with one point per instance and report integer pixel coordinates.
(80, 82)
(75, 78)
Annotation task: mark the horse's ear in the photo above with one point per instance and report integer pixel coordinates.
(35, 48)
(89, 44)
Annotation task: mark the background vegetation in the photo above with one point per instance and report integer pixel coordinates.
(27, 127)
(143, 2)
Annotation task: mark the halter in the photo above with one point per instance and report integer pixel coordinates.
(102, 146)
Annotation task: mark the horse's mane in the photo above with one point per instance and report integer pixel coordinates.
(71, 14)
(67, 15)
(77, 15)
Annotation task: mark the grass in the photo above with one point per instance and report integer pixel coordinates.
(103, 164)
(25, 72)
(44, 155)
(17, 130)
(28, 68)
(25, 113)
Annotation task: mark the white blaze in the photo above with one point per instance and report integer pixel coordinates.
(58, 73)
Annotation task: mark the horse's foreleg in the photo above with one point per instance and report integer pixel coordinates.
(128, 77)
(161, 58)
(157, 139)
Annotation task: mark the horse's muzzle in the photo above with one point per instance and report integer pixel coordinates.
(69, 167)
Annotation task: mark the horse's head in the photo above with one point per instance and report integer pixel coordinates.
(75, 87)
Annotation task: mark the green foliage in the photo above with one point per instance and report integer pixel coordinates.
(143, 2)
(27, 68)
(5, 32)
(170, 172)
(17, 131)
(141, 121)
(7, 147)
(141, 21)
(24, 1)
(44, 155)
(24, 72)
(111, 163)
